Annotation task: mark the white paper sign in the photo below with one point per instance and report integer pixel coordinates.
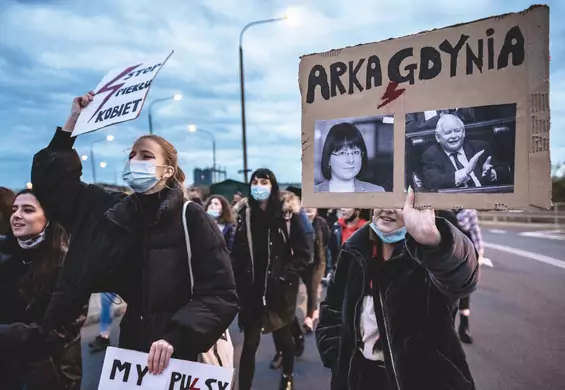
(127, 370)
(119, 97)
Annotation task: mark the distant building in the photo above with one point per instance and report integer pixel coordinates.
(202, 177)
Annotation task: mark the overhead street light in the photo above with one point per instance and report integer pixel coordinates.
(291, 14)
(192, 128)
(175, 97)
(108, 138)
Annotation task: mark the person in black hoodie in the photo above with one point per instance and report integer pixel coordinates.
(32, 355)
(387, 319)
(135, 246)
(270, 252)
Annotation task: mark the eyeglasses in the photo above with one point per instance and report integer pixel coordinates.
(343, 153)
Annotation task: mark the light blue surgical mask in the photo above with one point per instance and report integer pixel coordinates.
(214, 213)
(392, 237)
(260, 193)
(140, 175)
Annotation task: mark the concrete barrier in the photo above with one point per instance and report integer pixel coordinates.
(555, 216)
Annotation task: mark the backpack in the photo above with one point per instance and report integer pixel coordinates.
(221, 354)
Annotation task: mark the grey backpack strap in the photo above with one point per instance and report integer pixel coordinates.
(188, 249)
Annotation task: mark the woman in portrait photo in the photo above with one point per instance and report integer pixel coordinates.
(344, 158)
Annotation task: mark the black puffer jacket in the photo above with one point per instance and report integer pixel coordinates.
(45, 360)
(115, 248)
(418, 288)
(289, 256)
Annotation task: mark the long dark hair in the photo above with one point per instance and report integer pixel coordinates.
(340, 136)
(274, 201)
(46, 258)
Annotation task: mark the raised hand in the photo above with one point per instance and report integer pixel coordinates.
(488, 170)
(462, 176)
(79, 103)
(420, 224)
(473, 162)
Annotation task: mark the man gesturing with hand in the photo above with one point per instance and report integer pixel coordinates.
(455, 162)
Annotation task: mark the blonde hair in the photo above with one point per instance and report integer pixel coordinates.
(171, 158)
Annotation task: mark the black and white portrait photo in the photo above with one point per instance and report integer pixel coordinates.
(462, 150)
(354, 154)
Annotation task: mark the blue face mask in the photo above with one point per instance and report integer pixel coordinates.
(260, 192)
(392, 237)
(213, 213)
(140, 176)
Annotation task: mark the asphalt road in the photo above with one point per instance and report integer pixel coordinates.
(517, 320)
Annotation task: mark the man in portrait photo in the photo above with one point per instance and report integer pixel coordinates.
(455, 162)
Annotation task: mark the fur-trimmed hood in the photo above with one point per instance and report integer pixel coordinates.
(290, 203)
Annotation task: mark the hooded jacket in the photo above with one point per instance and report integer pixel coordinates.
(288, 256)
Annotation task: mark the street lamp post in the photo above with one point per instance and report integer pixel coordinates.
(242, 88)
(176, 97)
(108, 138)
(192, 129)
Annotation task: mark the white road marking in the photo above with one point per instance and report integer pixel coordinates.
(497, 231)
(529, 255)
(548, 234)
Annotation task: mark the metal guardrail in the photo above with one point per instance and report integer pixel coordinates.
(554, 216)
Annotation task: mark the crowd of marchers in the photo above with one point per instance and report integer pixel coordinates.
(383, 285)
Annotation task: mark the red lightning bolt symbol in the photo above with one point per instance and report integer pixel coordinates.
(112, 88)
(391, 93)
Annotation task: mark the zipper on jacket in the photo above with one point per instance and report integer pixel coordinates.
(249, 238)
(388, 341)
(355, 331)
(143, 297)
(268, 266)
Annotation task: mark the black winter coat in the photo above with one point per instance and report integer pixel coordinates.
(418, 289)
(45, 360)
(289, 256)
(113, 250)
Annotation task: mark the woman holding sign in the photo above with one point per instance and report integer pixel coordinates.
(135, 246)
(33, 352)
(269, 253)
(387, 319)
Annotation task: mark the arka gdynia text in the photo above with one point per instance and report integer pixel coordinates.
(333, 81)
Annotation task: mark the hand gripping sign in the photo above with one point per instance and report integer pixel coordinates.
(125, 369)
(119, 97)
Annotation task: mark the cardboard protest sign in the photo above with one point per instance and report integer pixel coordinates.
(460, 114)
(125, 369)
(119, 97)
